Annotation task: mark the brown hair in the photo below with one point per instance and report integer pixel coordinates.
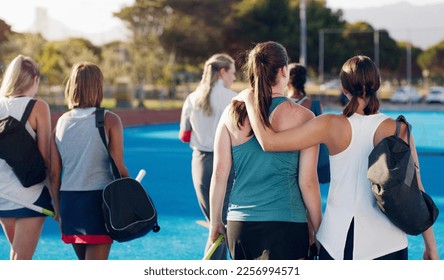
(262, 67)
(298, 77)
(210, 75)
(19, 76)
(360, 77)
(85, 86)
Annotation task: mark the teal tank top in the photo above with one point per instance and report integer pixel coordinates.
(266, 183)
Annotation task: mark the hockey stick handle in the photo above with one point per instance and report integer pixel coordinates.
(140, 176)
(28, 205)
(213, 247)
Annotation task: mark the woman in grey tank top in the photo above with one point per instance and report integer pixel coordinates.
(78, 153)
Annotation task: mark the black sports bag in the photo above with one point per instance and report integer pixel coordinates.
(128, 210)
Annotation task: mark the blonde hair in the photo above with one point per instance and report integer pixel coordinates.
(210, 75)
(19, 76)
(85, 86)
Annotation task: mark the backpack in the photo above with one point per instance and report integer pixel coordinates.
(20, 150)
(324, 157)
(392, 173)
(128, 210)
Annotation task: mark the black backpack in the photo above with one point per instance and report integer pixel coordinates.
(392, 172)
(20, 151)
(128, 210)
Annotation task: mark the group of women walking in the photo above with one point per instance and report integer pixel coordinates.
(254, 162)
(271, 141)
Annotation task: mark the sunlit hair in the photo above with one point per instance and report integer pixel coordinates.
(298, 77)
(262, 67)
(210, 75)
(360, 77)
(19, 76)
(85, 86)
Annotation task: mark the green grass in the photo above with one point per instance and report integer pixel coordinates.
(153, 104)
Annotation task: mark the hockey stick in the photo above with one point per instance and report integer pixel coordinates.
(28, 205)
(213, 247)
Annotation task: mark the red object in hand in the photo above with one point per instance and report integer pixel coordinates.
(186, 136)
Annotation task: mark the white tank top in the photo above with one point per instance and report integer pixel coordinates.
(350, 197)
(9, 184)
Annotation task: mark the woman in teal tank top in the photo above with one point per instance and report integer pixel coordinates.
(272, 192)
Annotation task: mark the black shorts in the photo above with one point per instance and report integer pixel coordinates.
(267, 240)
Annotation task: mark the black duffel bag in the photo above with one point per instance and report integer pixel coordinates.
(128, 210)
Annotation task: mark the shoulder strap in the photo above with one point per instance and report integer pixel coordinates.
(100, 124)
(400, 119)
(28, 110)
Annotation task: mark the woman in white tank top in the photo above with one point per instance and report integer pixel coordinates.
(23, 226)
(352, 224)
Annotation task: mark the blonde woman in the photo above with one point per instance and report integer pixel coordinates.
(22, 226)
(78, 152)
(200, 115)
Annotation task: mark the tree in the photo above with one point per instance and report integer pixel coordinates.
(146, 19)
(21, 43)
(115, 61)
(401, 72)
(432, 60)
(57, 58)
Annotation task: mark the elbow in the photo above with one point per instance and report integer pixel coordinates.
(267, 145)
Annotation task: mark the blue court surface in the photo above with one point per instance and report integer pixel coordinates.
(167, 161)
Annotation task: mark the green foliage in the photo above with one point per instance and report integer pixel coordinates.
(57, 58)
(432, 59)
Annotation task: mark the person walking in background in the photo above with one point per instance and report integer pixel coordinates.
(272, 192)
(200, 115)
(353, 227)
(77, 152)
(296, 92)
(296, 85)
(23, 226)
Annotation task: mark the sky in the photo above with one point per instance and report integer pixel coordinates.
(95, 16)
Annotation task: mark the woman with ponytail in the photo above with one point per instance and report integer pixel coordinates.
(272, 192)
(200, 115)
(23, 226)
(352, 227)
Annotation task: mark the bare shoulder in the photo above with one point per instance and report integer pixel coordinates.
(112, 119)
(288, 115)
(388, 128)
(41, 106)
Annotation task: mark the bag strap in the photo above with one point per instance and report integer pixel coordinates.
(400, 119)
(100, 124)
(27, 112)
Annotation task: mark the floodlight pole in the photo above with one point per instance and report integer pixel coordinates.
(303, 17)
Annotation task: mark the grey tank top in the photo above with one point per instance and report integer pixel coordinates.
(85, 160)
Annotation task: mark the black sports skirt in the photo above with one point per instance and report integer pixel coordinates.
(267, 240)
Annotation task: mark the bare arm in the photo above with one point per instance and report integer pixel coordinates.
(221, 171)
(309, 185)
(55, 175)
(40, 121)
(114, 129)
(311, 133)
(430, 250)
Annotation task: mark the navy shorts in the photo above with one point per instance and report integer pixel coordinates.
(82, 218)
